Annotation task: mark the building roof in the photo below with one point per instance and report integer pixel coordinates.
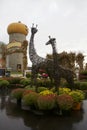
(17, 28)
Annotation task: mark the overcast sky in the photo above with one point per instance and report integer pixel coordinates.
(66, 20)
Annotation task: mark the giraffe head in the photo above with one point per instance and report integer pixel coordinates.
(34, 29)
(51, 41)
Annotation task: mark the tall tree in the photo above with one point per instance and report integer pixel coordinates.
(79, 60)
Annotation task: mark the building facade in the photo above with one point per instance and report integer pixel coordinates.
(16, 52)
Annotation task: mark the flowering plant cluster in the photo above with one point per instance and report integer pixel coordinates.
(44, 75)
(65, 101)
(46, 99)
(30, 99)
(46, 102)
(46, 92)
(17, 93)
(64, 90)
(26, 91)
(77, 95)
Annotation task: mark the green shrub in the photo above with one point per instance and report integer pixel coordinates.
(26, 91)
(25, 82)
(77, 84)
(28, 87)
(30, 99)
(17, 93)
(28, 74)
(15, 80)
(40, 89)
(83, 86)
(64, 90)
(65, 84)
(80, 85)
(77, 95)
(44, 82)
(65, 101)
(84, 72)
(46, 102)
(4, 83)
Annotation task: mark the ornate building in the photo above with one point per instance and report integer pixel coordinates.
(16, 54)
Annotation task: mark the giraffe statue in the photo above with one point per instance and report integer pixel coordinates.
(59, 71)
(37, 61)
(34, 57)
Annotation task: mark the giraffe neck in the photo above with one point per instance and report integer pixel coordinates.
(54, 48)
(34, 57)
(55, 56)
(32, 51)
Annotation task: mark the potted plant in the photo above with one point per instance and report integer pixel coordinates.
(46, 102)
(30, 99)
(78, 96)
(65, 101)
(17, 94)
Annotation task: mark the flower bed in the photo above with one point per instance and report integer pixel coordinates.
(47, 100)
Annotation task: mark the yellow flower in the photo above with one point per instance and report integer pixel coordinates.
(46, 92)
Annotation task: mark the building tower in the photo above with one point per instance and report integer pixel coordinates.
(16, 56)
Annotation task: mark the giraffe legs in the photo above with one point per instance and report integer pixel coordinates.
(34, 77)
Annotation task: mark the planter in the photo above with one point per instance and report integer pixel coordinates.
(77, 106)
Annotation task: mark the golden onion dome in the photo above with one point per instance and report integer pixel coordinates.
(17, 28)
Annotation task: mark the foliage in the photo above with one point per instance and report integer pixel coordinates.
(28, 87)
(4, 83)
(84, 72)
(28, 74)
(46, 102)
(77, 95)
(45, 82)
(14, 80)
(83, 75)
(77, 84)
(40, 89)
(64, 91)
(26, 91)
(25, 82)
(17, 93)
(65, 101)
(30, 99)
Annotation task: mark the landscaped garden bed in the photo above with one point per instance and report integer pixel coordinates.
(47, 101)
